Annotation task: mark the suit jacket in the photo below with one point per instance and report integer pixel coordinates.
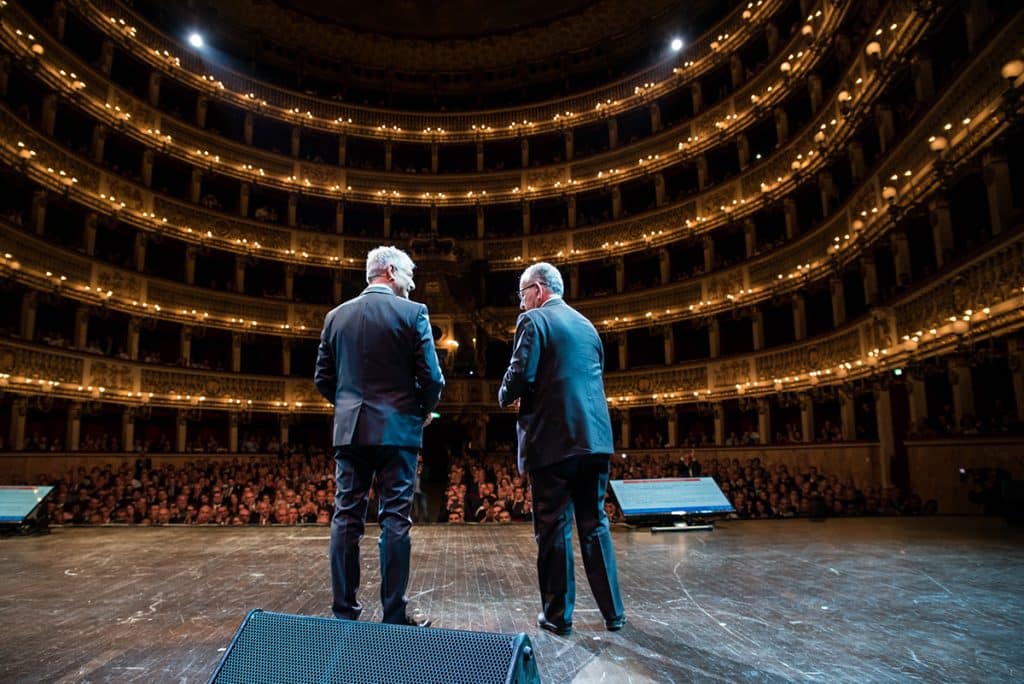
(377, 365)
(556, 372)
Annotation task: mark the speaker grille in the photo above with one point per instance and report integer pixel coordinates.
(277, 648)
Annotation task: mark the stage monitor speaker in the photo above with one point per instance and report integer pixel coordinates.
(276, 647)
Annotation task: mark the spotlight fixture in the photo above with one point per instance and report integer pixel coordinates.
(677, 44)
(195, 40)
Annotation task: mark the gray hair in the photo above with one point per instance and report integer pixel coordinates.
(381, 258)
(545, 274)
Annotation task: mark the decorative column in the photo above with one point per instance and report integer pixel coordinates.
(827, 191)
(81, 326)
(236, 352)
(623, 343)
(147, 167)
(73, 434)
(924, 79)
(128, 429)
(105, 62)
(996, 170)
(339, 217)
(89, 233)
(659, 190)
(286, 356)
(757, 329)
(886, 440)
(569, 145)
(570, 205)
(781, 125)
(29, 307)
(703, 174)
(239, 273)
(718, 409)
(336, 286)
(574, 281)
(181, 430)
(764, 420)
(284, 420)
(668, 337)
(134, 332)
(838, 301)
(664, 266)
(799, 317)
(48, 114)
(901, 257)
(749, 237)
(1015, 348)
(289, 281)
(524, 209)
(625, 436)
(977, 20)
(869, 273)
(140, 251)
(807, 418)
(38, 212)
(195, 186)
(190, 265)
(389, 148)
(697, 94)
(19, 409)
(714, 338)
(673, 427)
(434, 157)
(479, 157)
(858, 166)
(620, 275)
(963, 387)
(743, 150)
(185, 345)
(524, 152)
(848, 414)
(153, 89)
(736, 72)
(814, 91)
(771, 35)
(613, 133)
(293, 210)
(789, 209)
(655, 117)
(917, 397)
(202, 102)
(296, 141)
(244, 194)
(616, 202)
(886, 126)
(233, 419)
(248, 127)
(941, 220)
(708, 244)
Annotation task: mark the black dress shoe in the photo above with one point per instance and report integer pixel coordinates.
(554, 628)
(615, 624)
(417, 620)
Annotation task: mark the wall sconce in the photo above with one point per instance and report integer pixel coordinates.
(1012, 70)
(785, 68)
(819, 139)
(874, 52)
(960, 326)
(889, 194)
(938, 144)
(38, 49)
(746, 15)
(845, 101)
(807, 31)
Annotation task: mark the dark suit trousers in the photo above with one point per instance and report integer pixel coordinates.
(355, 466)
(575, 484)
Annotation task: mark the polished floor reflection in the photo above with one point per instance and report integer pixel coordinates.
(936, 599)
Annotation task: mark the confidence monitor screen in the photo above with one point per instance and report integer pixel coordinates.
(17, 502)
(671, 496)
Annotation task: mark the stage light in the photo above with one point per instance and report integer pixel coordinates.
(195, 40)
(677, 44)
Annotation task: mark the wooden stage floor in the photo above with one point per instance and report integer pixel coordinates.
(855, 600)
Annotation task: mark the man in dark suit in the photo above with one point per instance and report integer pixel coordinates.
(565, 444)
(377, 365)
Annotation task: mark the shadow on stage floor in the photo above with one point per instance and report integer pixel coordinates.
(932, 599)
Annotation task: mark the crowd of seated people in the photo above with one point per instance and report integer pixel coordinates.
(486, 489)
(285, 489)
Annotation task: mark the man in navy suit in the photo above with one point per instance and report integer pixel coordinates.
(377, 365)
(565, 444)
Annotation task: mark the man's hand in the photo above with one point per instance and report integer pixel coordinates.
(515, 404)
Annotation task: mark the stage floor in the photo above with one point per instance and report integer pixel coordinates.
(857, 600)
